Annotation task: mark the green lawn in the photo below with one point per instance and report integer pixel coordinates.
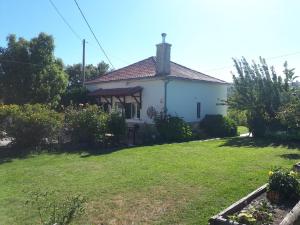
(243, 130)
(182, 183)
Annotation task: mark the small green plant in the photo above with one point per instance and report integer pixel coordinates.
(172, 128)
(284, 186)
(52, 211)
(258, 213)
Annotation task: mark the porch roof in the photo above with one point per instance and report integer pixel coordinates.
(116, 91)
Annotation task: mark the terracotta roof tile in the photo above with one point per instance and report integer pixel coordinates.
(146, 68)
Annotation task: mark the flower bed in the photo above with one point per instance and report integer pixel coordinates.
(275, 203)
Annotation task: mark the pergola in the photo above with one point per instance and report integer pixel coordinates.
(120, 94)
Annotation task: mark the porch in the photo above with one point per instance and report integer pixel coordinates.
(127, 101)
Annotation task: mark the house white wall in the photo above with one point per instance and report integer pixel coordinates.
(152, 94)
(183, 95)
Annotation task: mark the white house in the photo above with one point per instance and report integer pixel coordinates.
(157, 84)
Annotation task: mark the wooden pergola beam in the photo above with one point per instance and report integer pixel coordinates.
(138, 99)
(107, 101)
(120, 100)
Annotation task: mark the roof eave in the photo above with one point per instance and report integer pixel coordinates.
(128, 79)
(191, 79)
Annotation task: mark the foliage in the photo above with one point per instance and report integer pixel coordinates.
(75, 73)
(288, 113)
(218, 126)
(239, 117)
(116, 125)
(259, 213)
(76, 95)
(30, 72)
(285, 183)
(30, 125)
(147, 134)
(172, 128)
(284, 136)
(52, 211)
(257, 124)
(260, 92)
(242, 130)
(86, 124)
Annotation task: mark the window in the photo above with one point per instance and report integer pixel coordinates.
(132, 110)
(198, 110)
(129, 112)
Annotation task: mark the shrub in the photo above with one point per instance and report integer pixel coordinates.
(147, 134)
(218, 126)
(116, 125)
(86, 124)
(52, 211)
(285, 184)
(172, 128)
(75, 96)
(257, 125)
(30, 125)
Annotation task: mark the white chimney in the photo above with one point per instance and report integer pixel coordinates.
(163, 52)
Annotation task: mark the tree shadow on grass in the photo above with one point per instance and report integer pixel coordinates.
(9, 153)
(290, 156)
(259, 143)
(85, 150)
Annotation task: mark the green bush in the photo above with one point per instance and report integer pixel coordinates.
(116, 126)
(257, 125)
(86, 124)
(285, 183)
(30, 125)
(172, 128)
(218, 126)
(147, 134)
(75, 96)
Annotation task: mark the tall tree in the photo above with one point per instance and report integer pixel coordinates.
(75, 92)
(260, 92)
(75, 73)
(29, 71)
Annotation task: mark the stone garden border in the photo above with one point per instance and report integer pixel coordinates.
(292, 218)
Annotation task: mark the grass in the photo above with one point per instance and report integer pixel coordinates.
(183, 183)
(243, 130)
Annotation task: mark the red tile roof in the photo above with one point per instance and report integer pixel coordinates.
(146, 68)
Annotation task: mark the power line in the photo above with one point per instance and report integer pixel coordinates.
(65, 21)
(98, 42)
(281, 56)
(268, 58)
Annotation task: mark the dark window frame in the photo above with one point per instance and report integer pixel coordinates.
(198, 110)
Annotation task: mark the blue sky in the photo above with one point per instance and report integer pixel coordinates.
(205, 34)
